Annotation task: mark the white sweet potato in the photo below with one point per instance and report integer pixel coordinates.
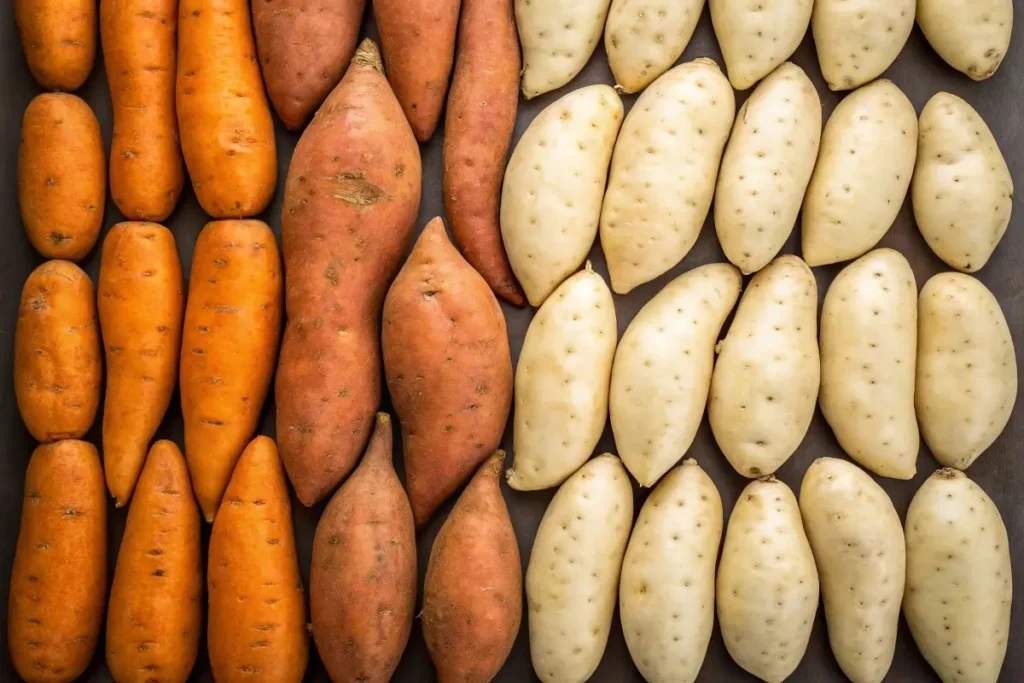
(756, 37)
(644, 39)
(857, 40)
(558, 39)
(971, 35)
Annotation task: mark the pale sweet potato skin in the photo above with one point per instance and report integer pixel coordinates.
(479, 121)
(58, 368)
(418, 41)
(59, 39)
(362, 584)
(141, 302)
(351, 199)
(304, 47)
(59, 579)
(228, 348)
(62, 176)
(140, 53)
(473, 592)
(227, 132)
(448, 369)
(257, 614)
(155, 616)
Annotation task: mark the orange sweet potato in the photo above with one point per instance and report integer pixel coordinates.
(304, 47)
(477, 133)
(228, 348)
(418, 41)
(139, 39)
(257, 617)
(350, 205)
(59, 38)
(448, 368)
(227, 132)
(473, 593)
(58, 368)
(362, 584)
(155, 615)
(59, 579)
(62, 176)
(141, 302)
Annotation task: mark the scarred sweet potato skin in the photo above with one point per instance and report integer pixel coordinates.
(351, 199)
(448, 368)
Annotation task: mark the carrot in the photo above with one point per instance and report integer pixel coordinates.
(59, 579)
(229, 343)
(59, 37)
(257, 615)
(141, 303)
(155, 614)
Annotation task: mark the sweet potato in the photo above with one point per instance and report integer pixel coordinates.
(362, 584)
(478, 128)
(59, 579)
(155, 616)
(418, 41)
(57, 364)
(59, 38)
(257, 615)
(139, 39)
(304, 47)
(62, 179)
(448, 368)
(350, 204)
(229, 343)
(227, 133)
(141, 301)
(473, 592)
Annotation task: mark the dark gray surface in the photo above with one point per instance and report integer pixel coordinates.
(918, 71)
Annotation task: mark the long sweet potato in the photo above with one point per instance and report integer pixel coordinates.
(362, 584)
(59, 579)
(351, 199)
(473, 593)
(139, 39)
(58, 368)
(228, 347)
(155, 616)
(478, 128)
(418, 40)
(257, 617)
(141, 301)
(59, 38)
(304, 47)
(227, 132)
(448, 368)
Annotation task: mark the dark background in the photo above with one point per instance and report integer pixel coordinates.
(918, 71)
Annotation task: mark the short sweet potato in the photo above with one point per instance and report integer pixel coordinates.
(155, 616)
(59, 38)
(473, 592)
(58, 368)
(62, 176)
(228, 348)
(141, 301)
(350, 204)
(257, 617)
(362, 584)
(59, 579)
(448, 368)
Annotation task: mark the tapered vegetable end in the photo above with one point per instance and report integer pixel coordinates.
(379, 448)
(948, 474)
(368, 54)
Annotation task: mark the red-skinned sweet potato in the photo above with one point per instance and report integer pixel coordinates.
(362, 584)
(473, 592)
(350, 205)
(448, 368)
(478, 128)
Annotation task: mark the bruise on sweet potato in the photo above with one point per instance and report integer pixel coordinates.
(155, 616)
(473, 592)
(59, 578)
(362, 590)
(351, 199)
(228, 347)
(478, 128)
(257, 614)
(448, 368)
